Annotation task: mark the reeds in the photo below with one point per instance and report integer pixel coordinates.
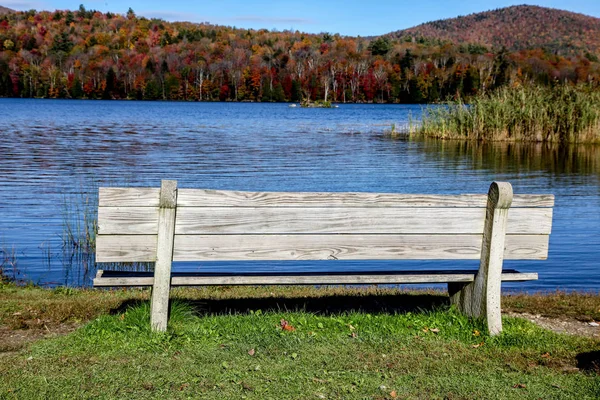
(8, 265)
(80, 226)
(80, 221)
(562, 113)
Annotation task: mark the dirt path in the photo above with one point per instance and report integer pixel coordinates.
(562, 325)
(13, 340)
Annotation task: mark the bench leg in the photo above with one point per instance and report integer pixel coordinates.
(159, 305)
(481, 298)
(478, 301)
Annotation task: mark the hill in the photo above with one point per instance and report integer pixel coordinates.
(6, 10)
(517, 28)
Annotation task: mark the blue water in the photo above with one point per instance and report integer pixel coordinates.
(55, 153)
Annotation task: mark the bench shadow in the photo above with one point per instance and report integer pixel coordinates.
(323, 305)
(589, 361)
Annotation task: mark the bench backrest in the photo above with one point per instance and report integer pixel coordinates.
(212, 225)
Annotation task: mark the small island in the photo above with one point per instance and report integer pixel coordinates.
(317, 104)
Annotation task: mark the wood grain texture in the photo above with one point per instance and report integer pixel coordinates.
(481, 298)
(242, 220)
(159, 304)
(128, 197)
(149, 197)
(315, 247)
(289, 279)
(225, 198)
(487, 284)
(127, 220)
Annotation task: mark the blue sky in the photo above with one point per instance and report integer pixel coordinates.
(349, 17)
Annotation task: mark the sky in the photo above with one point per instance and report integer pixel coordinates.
(349, 17)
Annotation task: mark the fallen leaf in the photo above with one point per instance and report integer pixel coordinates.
(122, 317)
(353, 335)
(286, 326)
(251, 352)
(184, 386)
(545, 355)
(476, 333)
(351, 327)
(435, 330)
(519, 386)
(393, 394)
(477, 345)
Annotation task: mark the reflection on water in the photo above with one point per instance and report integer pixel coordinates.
(55, 153)
(549, 158)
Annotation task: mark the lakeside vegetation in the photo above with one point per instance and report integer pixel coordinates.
(561, 113)
(281, 342)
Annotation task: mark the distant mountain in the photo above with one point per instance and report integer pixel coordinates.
(517, 28)
(6, 10)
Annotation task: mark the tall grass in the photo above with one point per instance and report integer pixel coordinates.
(563, 113)
(80, 226)
(8, 265)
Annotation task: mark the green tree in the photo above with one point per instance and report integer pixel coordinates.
(278, 93)
(111, 78)
(380, 46)
(296, 91)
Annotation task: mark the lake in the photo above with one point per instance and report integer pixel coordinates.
(55, 153)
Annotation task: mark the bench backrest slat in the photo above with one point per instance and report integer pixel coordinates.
(271, 220)
(216, 225)
(141, 248)
(148, 197)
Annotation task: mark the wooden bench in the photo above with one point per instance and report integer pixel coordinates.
(170, 224)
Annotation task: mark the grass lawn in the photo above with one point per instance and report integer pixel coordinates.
(290, 343)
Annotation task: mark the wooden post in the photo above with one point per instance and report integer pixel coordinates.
(481, 298)
(159, 307)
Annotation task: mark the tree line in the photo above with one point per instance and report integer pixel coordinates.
(93, 55)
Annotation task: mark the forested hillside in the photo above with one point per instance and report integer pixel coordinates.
(518, 28)
(88, 54)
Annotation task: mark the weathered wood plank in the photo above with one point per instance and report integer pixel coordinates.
(225, 198)
(125, 248)
(400, 277)
(159, 305)
(481, 298)
(128, 220)
(148, 197)
(128, 197)
(241, 220)
(140, 248)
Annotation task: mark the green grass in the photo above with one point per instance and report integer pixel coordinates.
(227, 352)
(563, 113)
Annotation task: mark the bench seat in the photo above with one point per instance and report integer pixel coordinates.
(126, 278)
